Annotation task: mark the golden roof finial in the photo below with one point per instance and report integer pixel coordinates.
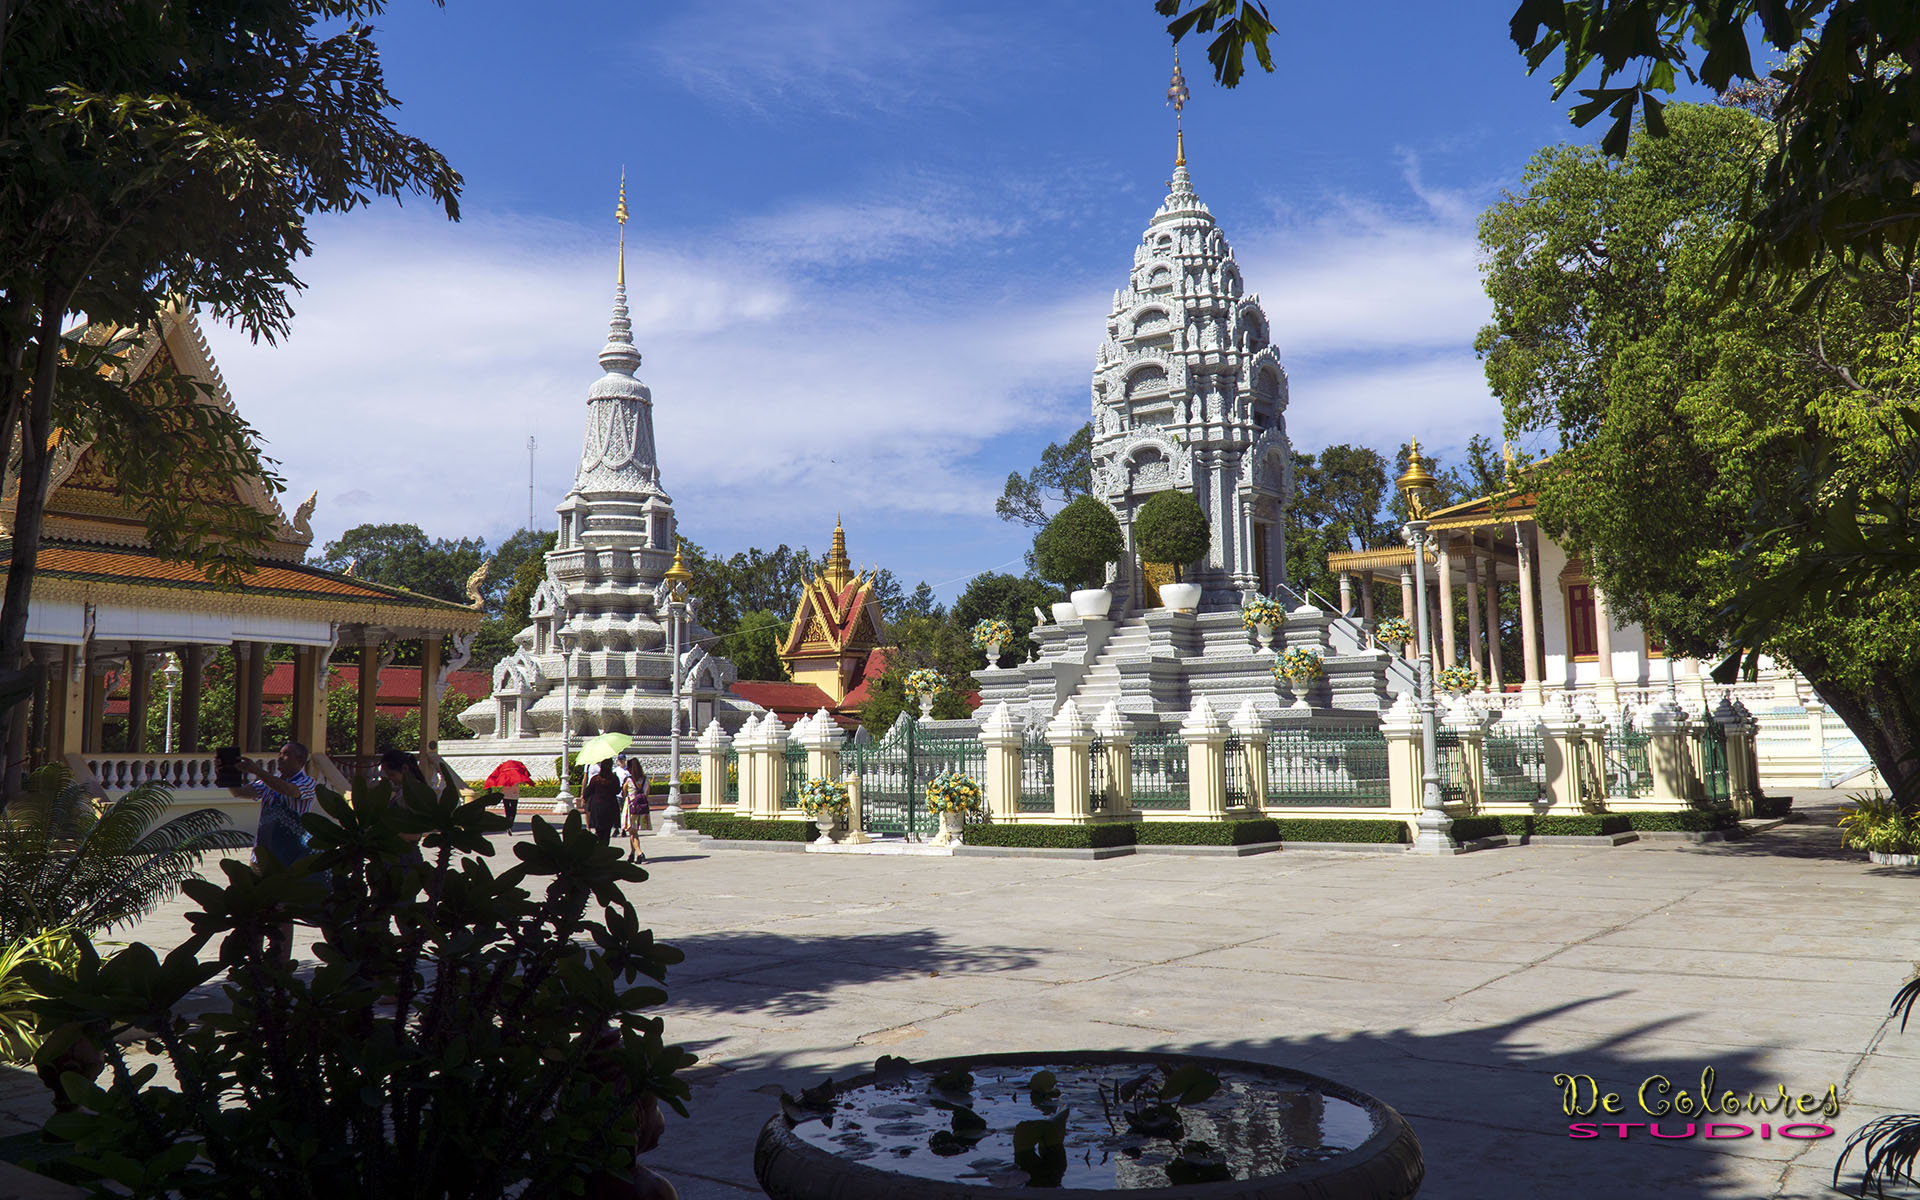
(1177, 95)
(839, 569)
(678, 573)
(620, 215)
(1417, 482)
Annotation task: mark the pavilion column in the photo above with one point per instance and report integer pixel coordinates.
(1411, 651)
(139, 694)
(1476, 657)
(257, 666)
(1529, 628)
(193, 677)
(244, 667)
(369, 696)
(1366, 598)
(65, 703)
(1346, 593)
(1606, 691)
(1493, 624)
(430, 707)
(96, 708)
(1448, 651)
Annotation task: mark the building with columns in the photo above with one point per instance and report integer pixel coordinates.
(1567, 638)
(106, 612)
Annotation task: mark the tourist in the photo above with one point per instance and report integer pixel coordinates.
(602, 800)
(396, 768)
(284, 798)
(639, 808)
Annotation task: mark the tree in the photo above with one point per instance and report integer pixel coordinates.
(1834, 186)
(521, 548)
(401, 556)
(1692, 426)
(921, 642)
(1170, 528)
(1076, 546)
(1012, 598)
(1065, 472)
(516, 606)
(155, 153)
(753, 646)
(919, 604)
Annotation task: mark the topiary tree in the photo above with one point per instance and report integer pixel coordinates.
(1076, 546)
(1170, 528)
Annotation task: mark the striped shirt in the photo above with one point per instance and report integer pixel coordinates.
(301, 781)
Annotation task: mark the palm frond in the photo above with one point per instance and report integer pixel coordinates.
(1888, 1149)
(1903, 1000)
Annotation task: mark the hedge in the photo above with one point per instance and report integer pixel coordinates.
(1772, 806)
(1371, 831)
(730, 828)
(1052, 837)
(1207, 833)
(1692, 820)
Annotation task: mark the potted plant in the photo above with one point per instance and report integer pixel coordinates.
(1876, 824)
(1298, 667)
(1456, 681)
(926, 685)
(953, 796)
(825, 803)
(1171, 529)
(989, 635)
(1260, 614)
(1075, 548)
(1393, 631)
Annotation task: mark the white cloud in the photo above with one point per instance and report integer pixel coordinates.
(1442, 400)
(838, 56)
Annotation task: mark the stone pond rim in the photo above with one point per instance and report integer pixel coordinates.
(1387, 1166)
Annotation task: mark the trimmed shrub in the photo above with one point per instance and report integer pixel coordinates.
(730, 828)
(1524, 825)
(1772, 806)
(1472, 829)
(1170, 528)
(1692, 820)
(1207, 833)
(1076, 546)
(1371, 831)
(1052, 837)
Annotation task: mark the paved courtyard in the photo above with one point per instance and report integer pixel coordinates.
(1453, 989)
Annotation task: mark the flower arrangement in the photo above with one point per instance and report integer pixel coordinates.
(1456, 681)
(992, 631)
(925, 681)
(1298, 665)
(953, 792)
(824, 797)
(1394, 631)
(1261, 610)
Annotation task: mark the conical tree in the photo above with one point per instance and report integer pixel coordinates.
(1170, 528)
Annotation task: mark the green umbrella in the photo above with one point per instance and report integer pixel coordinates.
(606, 746)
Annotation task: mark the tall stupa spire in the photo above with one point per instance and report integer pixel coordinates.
(620, 215)
(1177, 95)
(618, 454)
(619, 355)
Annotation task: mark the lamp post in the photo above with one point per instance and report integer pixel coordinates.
(1433, 838)
(676, 579)
(563, 803)
(171, 673)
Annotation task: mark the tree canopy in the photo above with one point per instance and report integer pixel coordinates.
(1078, 543)
(1065, 471)
(1688, 420)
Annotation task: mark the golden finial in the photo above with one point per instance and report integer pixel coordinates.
(1417, 483)
(677, 573)
(1506, 461)
(839, 569)
(620, 215)
(1177, 96)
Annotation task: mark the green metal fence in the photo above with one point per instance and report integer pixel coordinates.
(1513, 767)
(1713, 763)
(1036, 773)
(1450, 764)
(796, 756)
(1343, 765)
(1628, 770)
(1099, 787)
(730, 786)
(1238, 793)
(894, 773)
(1160, 771)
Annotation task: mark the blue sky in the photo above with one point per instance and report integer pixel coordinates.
(873, 246)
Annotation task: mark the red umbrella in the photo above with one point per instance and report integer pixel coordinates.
(510, 773)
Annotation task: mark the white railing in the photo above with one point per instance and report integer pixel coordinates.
(118, 773)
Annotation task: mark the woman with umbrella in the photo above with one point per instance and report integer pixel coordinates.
(508, 777)
(602, 796)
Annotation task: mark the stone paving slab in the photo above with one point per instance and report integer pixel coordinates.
(1454, 989)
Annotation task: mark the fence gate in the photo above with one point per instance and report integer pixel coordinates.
(894, 773)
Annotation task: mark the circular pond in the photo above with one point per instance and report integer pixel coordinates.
(1146, 1125)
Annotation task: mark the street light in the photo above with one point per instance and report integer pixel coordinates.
(563, 803)
(676, 579)
(1417, 485)
(171, 673)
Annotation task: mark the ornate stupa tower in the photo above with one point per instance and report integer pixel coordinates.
(1188, 393)
(603, 599)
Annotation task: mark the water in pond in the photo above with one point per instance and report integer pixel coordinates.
(1108, 1127)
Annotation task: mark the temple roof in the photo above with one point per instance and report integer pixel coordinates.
(837, 613)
